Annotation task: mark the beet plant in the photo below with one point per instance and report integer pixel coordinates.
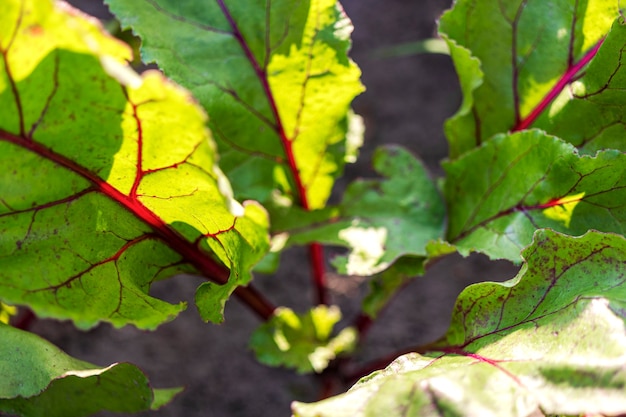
(111, 181)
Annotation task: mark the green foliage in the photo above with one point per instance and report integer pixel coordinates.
(551, 340)
(40, 380)
(511, 54)
(280, 72)
(302, 342)
(110, 181)
(112, 221)
(6, 312)
(373, 215)
(427, 46)
(534, 181)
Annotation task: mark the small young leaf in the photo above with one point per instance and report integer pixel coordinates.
(40, 380)
(551, 341)
(108, 180)
(514, 184)
(529, 52)
(6, 312)
(302, 342)
(262, 67)
(375, 215)
(163, 396)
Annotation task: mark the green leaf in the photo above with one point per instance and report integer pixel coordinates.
(375, 215)
(278, 69)
(108, 180)
(38, 379)
(163, 396)
(459, 127)
(514, 184)
(549, 341)
(589, 114)
(302, 342)
(529, 53)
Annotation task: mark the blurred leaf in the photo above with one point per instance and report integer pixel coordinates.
(113, 27)
(164, 396)
(40, 380)
(6, 312)
(302, 342)
(551, 340)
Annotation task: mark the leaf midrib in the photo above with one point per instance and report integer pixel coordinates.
(262, 77)
(169, 236)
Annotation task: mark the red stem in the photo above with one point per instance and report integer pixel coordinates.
(208, 267)
(567, 78)
(363, 323)
(316, 253)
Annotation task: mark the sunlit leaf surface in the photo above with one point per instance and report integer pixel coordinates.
(302, 341)
(379, 220)
(515, 184)
(552, 340)
(554, 65)
(276, 68)
(108, 180)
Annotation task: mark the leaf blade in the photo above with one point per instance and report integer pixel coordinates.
(535, 343)
(269, 72)
(374, 215)
(528, 54)
(531, 181)
(39, 379)
(140, 159)
(302, 341)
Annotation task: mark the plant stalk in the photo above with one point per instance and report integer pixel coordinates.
(316, 253)
(208, 267)
(567, 78)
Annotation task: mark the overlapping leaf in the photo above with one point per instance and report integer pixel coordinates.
(375, 215)
(552, 340)
(274, 77)
(515, 184)
(40, 380)
(514, 57)
(107, 183)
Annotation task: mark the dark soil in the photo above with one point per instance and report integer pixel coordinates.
(406, 102)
